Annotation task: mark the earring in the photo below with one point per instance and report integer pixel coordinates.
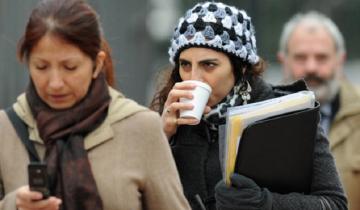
(245, 89)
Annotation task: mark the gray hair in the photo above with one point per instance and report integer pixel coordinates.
(314, 17)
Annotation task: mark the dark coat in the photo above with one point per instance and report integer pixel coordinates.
(196, 153)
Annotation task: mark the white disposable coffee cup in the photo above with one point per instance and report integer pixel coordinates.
(200, 98)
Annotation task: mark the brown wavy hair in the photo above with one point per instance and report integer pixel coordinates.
(170, 75)
(73, 21)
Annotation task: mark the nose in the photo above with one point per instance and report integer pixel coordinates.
(311, 65)
(196, 74)
(56, 81)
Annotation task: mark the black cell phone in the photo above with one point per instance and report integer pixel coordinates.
(38, 178)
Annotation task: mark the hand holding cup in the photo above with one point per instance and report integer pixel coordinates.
(180, 100)
(201, 94)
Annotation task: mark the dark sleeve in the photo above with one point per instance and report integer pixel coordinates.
(1, 190)
(326, 189)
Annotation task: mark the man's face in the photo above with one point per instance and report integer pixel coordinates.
(312, 55)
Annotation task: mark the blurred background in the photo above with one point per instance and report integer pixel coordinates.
(139, 30)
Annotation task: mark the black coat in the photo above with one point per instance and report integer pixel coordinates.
(196, 153)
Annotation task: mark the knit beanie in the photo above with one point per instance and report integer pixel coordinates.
(218, 26)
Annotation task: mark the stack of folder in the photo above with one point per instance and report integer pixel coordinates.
(272, 142)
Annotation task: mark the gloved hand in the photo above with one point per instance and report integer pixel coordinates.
(244, 193)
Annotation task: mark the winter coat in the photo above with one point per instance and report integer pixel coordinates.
(196, 153)
(344, 139)
(129, 155)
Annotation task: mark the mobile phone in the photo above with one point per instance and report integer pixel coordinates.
(38, 178)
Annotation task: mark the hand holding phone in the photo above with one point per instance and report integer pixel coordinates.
(38, 178)
(26, 199)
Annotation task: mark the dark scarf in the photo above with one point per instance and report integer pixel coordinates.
(217, 115)
(63, 132)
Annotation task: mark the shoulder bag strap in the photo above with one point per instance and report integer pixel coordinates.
(23, 134)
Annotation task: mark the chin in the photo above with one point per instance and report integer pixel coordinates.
(211, 102)
(326, 93)
(60, 106)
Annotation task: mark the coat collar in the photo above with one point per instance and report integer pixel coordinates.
(119, 109)
(349, 106)
(349, 101)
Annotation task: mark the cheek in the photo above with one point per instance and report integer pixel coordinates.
(295, 70)
(329, 69)
(184, 75)
(81, 86)
(221, 86)
(39, 81)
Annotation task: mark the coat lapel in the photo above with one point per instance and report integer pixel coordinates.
(349, 106)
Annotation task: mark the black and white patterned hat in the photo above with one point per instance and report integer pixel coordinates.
(216, 25)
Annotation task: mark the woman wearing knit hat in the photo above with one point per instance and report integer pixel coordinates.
(79, 137)
(215, 43)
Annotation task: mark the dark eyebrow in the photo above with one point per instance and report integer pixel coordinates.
(183, 60)
(209, 60)
(202, 61)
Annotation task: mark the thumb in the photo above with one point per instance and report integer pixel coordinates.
(240, 181)
(207, 109)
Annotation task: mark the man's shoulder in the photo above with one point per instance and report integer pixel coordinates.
(349, 101)
(349, 90)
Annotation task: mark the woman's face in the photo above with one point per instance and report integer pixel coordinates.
(209, 66)
(61, 72)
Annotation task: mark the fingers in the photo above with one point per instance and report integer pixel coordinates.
(175, 95)
(187, 121)
(52, 203)
(240, 181)
(175, 107)
(29, 200)
(172, 107)
(180, 90)
(23, 194)
(184, 86)
(237, 180)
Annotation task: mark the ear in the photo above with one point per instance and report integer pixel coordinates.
(342, 59)
(99, 63)
(340, 63)
(281, 57)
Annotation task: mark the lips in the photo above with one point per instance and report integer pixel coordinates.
(58, 97)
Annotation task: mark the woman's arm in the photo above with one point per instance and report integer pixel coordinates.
(162, 190)
(7, 201)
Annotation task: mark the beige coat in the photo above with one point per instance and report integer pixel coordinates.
(345, 143)
(129, 155)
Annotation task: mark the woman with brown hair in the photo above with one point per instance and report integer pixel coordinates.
(215, 43)
(102, 151)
